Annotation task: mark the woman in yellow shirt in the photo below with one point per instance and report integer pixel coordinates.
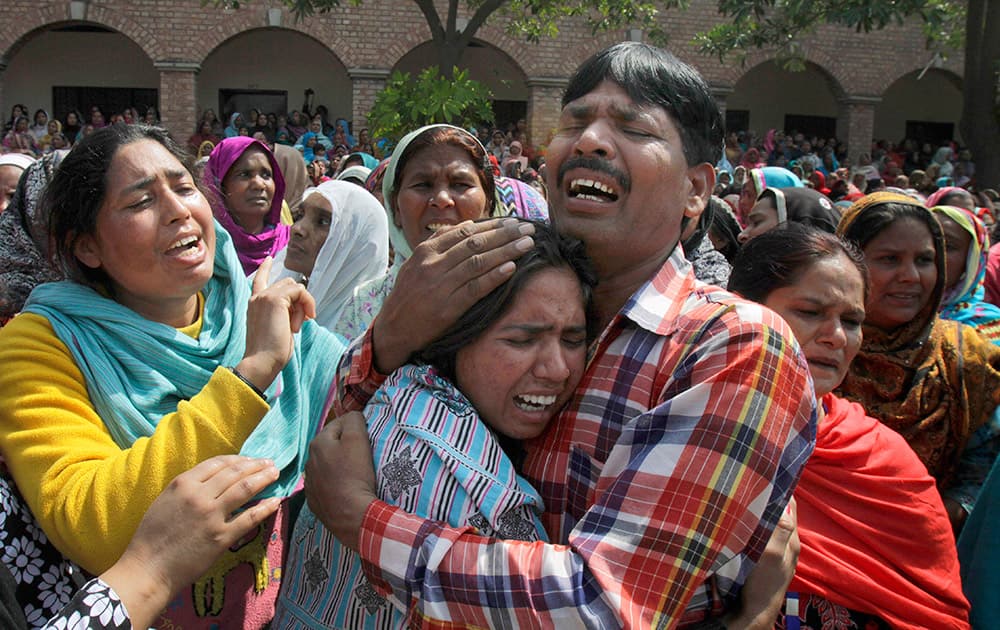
(155, 356)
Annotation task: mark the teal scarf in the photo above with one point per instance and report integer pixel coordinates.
(138, 371)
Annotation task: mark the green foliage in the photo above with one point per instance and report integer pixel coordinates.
(778, 25)
(406, 104)
(537, 19)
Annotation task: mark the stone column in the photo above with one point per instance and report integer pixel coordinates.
(178, 97)
(366, 83)
(856, 123)
(3, 69)
(721, 93)
(544, 107)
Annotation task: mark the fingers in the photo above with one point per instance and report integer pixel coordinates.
(262, 276)
(250, 518)
(210, 467)
(353, 423)
(445, 239)
(303, 307)
(478, 251)
(240, 480)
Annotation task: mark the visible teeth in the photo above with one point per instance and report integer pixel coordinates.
(184, 242)
(533, 403)
(577, 184)
(433, 227)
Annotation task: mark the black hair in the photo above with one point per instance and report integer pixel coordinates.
(74, 197)
(873, 220)
(551, 251)
(778, 258)
(724, 227)
(655, 77)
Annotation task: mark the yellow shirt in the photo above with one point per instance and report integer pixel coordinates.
(88, 493)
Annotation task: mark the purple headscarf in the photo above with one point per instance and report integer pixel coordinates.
(251, 248)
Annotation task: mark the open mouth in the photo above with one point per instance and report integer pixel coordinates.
(592, 190)
(184, 245)
(434, 227)
(531, 403)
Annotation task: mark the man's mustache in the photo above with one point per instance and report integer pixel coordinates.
(596, 164)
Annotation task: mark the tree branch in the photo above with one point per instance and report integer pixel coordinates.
(426, 7)
(484, 11)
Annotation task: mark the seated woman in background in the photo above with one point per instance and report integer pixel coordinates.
(757, 180)
(150, 360)
(966, 245)
(877, 547)
(247, 191)
(776, 206)
(446, 431)
(952, 196)
(936, 382)
(20, 140)
(340, 239)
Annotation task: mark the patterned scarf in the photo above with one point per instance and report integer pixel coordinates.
(24, 255)
(966, 302)
(931, 380)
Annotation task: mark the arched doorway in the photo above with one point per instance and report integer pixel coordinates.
(907, 112)
(270, 69)
(490, 66)
(770, 97)
(79, 65)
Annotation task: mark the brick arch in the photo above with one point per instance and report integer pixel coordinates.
(39, 19)
(517, 51)
(951, 75)
(400, 47)
(816, 59)
(248, 21)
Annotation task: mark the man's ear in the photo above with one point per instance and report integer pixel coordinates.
(701, 178)
(87, 252)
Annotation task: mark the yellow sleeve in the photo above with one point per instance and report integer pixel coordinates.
(88, 494)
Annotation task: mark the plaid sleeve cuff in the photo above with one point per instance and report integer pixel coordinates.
(358, 379)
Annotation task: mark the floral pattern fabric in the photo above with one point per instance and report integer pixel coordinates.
(95, 607)
(45, 579)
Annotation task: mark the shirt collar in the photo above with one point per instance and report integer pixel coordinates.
(658, 302)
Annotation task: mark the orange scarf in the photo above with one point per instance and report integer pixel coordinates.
(875, 536)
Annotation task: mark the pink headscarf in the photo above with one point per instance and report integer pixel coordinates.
(251, 248)
(941, 193)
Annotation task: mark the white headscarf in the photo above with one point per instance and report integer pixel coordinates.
(356, 249)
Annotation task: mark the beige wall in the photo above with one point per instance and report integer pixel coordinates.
(934, 98)
(485, 64)
(249, 61)
(770, 93)
(75, 59)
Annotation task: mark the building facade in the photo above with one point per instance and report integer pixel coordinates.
(185, 57)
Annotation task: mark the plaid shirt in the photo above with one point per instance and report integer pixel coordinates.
(664, 476)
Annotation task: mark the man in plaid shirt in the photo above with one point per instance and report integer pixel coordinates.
(665, 476)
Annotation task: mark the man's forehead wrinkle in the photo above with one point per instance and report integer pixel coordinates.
(623, 111)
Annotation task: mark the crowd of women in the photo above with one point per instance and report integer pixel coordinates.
(172, 336)
(39, 134)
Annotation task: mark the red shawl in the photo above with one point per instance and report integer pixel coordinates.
(875, 536)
